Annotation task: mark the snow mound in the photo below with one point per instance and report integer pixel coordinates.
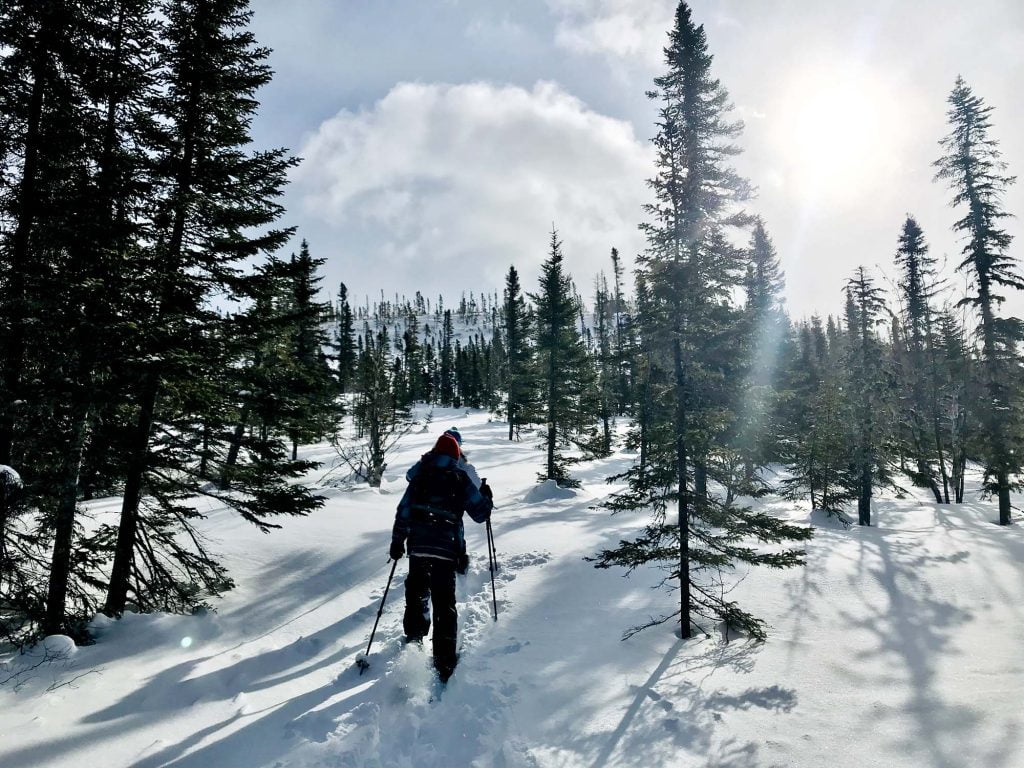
(9, 477)
(823, 518)
(549, 490)
(59, 646)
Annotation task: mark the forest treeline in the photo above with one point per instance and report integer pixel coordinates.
(165, 343)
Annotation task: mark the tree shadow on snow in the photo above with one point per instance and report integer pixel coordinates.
(174, 690)
(676, 714)
(686, 716)
(910, 637)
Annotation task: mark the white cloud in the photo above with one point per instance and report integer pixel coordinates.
(622, 29)
(446, 185)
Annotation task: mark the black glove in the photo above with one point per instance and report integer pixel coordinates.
(397, 549)
(485, 489)
(462, 563)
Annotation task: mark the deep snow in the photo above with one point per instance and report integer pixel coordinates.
(898, 645)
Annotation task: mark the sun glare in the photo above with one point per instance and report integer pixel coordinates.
(833, 135)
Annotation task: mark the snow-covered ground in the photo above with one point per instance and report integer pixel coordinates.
(898, 645)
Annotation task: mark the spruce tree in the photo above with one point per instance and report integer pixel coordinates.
(764, 335)
(964, 399)
(818, 440)
(691, 272)
(446, 362)
(919, 374)
(380, 418)
(495, 363)
(344, 340)
(620, 337)
(563, 367)
(312, 405)
(822, 464)
(44, 113)
(604, 319)
(412, 359)
(865, 304)
(75, 80)
(518, 376)
(973, 168)
(213, 201)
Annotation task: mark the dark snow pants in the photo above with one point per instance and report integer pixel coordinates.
(432, 580)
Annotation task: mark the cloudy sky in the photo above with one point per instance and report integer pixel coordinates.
(443, 138)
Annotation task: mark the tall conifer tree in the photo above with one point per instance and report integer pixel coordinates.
(973, 168)
(865, 304)
(518, 378)
(920, 373)
(563, 366)
(344, 340)
(764, 334)
(604, 320)
(691, 272)
(212, 202)
(312, 405)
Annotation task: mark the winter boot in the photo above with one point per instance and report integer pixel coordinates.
(445, 668)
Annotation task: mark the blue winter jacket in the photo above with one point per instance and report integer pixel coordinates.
(438, 532)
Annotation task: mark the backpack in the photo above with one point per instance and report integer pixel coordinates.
(435, 511)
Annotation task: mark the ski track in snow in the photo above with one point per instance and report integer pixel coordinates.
(897, 646)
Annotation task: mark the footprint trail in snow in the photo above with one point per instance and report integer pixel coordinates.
(406, 718)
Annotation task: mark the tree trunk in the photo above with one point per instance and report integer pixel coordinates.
(700, 480)
(997, 440)
(124, 551)
(864, 499)
(204, 452)
(924, 471)
(376, 452)
(867, 428)
(234, 446)
(552, 426)
(64, 521)
(644, 417)
(933, 406)
(684, 506)
(958, 447)
(942, 461)
(812, 479)
(748, 471)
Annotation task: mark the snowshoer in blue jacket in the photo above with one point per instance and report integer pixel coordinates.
(429, 517)
(462, 563)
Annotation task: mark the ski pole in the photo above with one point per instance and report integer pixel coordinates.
(492, 556)
(362, 663)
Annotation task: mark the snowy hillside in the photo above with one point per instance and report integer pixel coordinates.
(896, 646)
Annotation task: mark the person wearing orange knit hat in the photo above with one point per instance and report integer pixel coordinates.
(429, 519)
